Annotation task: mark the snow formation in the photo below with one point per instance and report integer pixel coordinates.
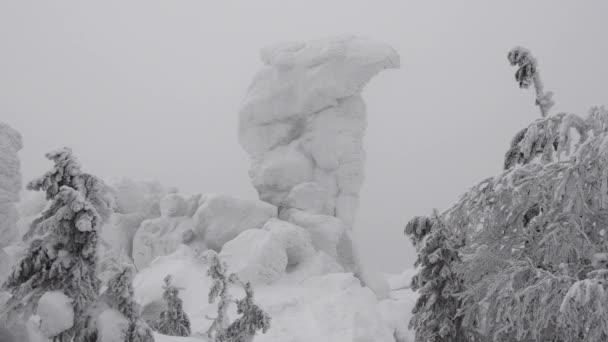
(56, 313)
(303, 121)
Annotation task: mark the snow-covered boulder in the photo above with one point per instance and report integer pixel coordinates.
(221, 218)
(303, 121)
(56, 313)
(10, 182)
(162, 236)
(256, 255)
(295, 240)
(325, 231)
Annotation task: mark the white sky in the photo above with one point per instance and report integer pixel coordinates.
(150, 90)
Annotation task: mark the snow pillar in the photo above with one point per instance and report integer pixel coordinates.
(303, 120)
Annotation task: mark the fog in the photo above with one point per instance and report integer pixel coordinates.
(151, 89)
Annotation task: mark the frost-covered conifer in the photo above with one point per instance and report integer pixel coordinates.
(435, 313)
(62, 254)
(173, 321)
(252, 318)
(533, 262)
(220, 289)
(119, 296)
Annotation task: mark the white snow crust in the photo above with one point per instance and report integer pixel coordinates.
(56, 313)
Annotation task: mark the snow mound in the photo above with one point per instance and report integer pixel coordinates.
(56, 313)
(316, 305)
(295, 240)
(256, 255)
(303, 121)
(111, 326)
(161, 236)
(221, 218)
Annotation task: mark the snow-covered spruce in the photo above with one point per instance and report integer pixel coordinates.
(173, 321)
(119, 296)
(533, 263)
(62, 253)
(252, 318)
(435, 313)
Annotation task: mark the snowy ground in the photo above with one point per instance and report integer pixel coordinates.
(305, 305)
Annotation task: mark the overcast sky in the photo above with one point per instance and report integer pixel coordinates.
(151, 89)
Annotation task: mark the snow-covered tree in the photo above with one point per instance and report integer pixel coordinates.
(62, 253)
(173, 321)
(220, 289)
(435, 313)
(252, 318)
(534, 259)
(119, 296)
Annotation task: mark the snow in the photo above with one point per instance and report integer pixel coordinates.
(56, 313)
(203, 221)
(303, 121)
(161, 236)
(314, 301)
(402, 280)
(221, 218)
(111, 326)
(256, 255)
(294, 240)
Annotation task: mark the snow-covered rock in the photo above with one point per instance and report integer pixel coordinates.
(221, 218)
(303, 121)
(325, 231)
(56, 313)
(10, 182)
(162, 236)
(256, 255)
(295, 240)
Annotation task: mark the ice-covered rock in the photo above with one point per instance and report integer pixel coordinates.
(56, 313)
(221, 218)
(10, 182)
(303, 121)
(256, 255)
